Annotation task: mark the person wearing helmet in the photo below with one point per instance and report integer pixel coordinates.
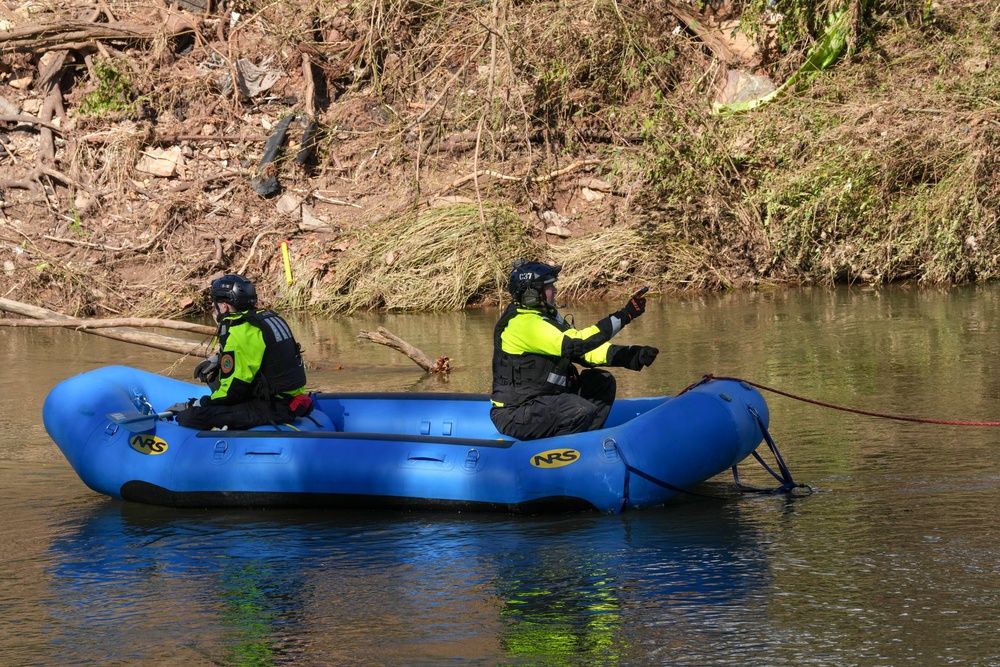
(258, 376)
(537, 391)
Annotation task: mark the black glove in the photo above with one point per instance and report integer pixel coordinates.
(208, 370)
(646, 355)
(632, 357)
(635, 307)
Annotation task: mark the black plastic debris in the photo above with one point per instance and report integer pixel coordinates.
(308, 144)
(266, 183)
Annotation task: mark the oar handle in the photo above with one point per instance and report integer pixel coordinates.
(124, 418)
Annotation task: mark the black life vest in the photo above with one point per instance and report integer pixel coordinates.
(518, 378)
(281, 368)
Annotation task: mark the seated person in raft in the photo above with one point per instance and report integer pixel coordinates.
(537, 391)
(258, 376)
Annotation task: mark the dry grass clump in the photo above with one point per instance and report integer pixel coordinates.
(598, 264)
(432, 259)
(111, 162)
(529, 83)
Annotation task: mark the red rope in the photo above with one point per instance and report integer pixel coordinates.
(857, 412)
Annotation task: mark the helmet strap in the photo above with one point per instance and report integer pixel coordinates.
(222, 308)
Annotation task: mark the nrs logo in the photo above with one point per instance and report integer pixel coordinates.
(148, 444)
(555, 458)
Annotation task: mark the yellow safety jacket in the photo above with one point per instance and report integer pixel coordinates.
(259, 359)
(534, 350)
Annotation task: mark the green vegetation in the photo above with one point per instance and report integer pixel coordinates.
(113, 96)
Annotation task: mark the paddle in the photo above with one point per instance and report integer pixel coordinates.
(136, 421)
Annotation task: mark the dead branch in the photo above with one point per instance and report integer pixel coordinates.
(63, 178)
(168, 139)
(310, 88)
(44, 37)
(29, 120)
(76, 323)
(48, 77)
(385, 337)
(338, 202)
(535, 179)
(31, 186)
(220, 138)
(48, 84)
(157, 341)
(696, 23)
(85, 244)
(203, 181)
(454, 144)
(253, 248)
(30, 183)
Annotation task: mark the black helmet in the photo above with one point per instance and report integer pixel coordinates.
(236, 290)
(528, 281)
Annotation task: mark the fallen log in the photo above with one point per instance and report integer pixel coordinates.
(385, 337)
(76, 323)
(154, 340)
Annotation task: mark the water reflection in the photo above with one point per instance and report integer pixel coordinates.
(587, 596)
(245, 588)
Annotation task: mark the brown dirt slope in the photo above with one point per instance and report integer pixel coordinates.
(406, 151)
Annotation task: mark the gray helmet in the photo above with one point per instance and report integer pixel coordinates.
(236, 290)
(528, 280)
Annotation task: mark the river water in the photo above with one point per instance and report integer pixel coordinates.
(892, 561)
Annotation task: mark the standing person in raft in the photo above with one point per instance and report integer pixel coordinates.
(258, 376)
(537, 391)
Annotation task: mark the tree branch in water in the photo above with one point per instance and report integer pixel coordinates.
(385, 337)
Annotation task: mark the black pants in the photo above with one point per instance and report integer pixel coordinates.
(239, 417)
(559, 414)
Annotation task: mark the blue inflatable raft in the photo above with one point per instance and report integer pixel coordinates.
(396, 450)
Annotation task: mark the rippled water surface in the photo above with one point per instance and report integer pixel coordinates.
(892, 561)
